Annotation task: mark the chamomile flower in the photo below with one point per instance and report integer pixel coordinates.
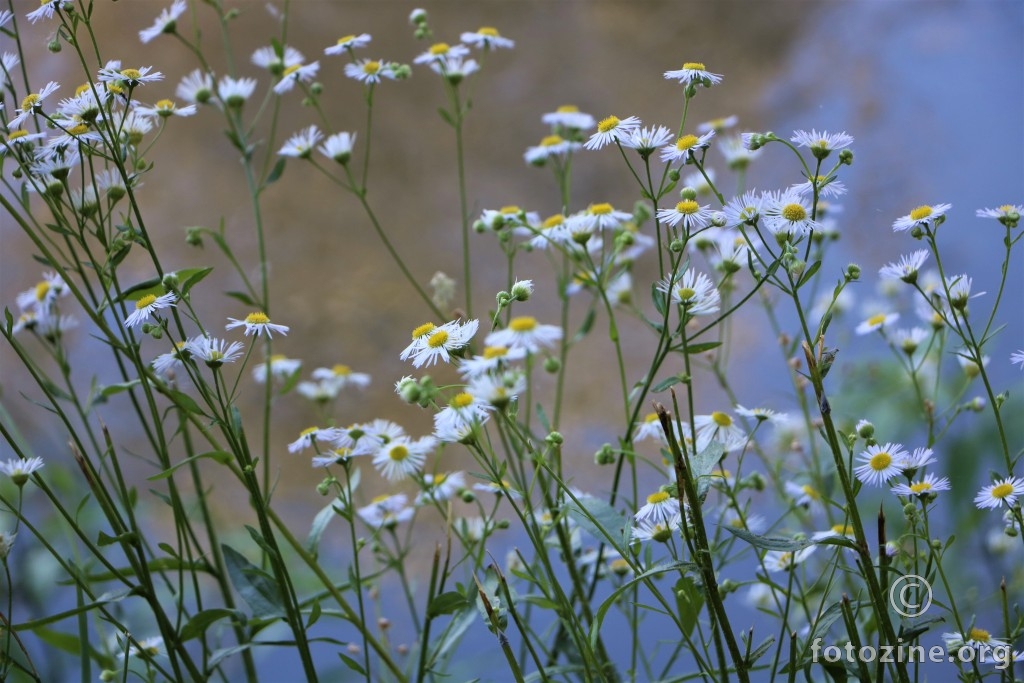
(927, 486)
(569, 117)
(969, 364)
(338, 147)
(922, 216)
(46, 9)
(498, 389)
(147, 305)
(759, 414)
(294, 74)
(694, 73)
(803, 495)
(19, 139)
(1007, 214)
(877, 322)
(688, 212)
(32, 104)
(603, 216)
(127, 78)
(1002, 491)
(684, 148)
(341, 376)
(487, 38)
(146, 647)
(976, 638)
(1017, 358)
(550, 146)
(736, 155)
(369, 71)
(612, 129)
(909, 340)
(837, 531)
(745, 210)
(441, 341)
(20, 469)
(906, 268)
(441, 52)
(440, 487)
(720, 427)
(660, 507)
(959, 287)
(650, 428)
(257, 323)
(403, 457)
(455, 69)
(646, 140)
(694, 291)
(281, 367)
(166, 108)
(463, 409)
(880, 463)
(166, 21)
(44, 294)
(659, 531)
(312, 436)
(166, 362)
(827, 186)
(233, 92)
(214, 352)
(386, 511)
(492, 359)
(524, 332)
(348, 43)
(784, 560)
(196, 87)
(788, 213)
(268, 58)
(302, 143)
(821, 144)
(509, 216)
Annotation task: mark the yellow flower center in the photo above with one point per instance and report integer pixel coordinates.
(608, 124)
(131, 74)
(842, 529)
(695, 66)
(423, 330)
(342, 41)
(78, 130)
(651, 417)
(290, 70)
(602, 209)
(920, 212)
(659, 497)
(437, 339)
(686, 293)
(721, 419)
(309, 430)
(461, 400)
(921, 487)
(1005, 208)
(257, 318)
(82, 89)
(278, 357)
(495, 352)
(794, 212)
(810, 491)
(511, 210)
(876, 319)
(980, 635)
(166, 105)
(398, 453)
(551, 141)
(553, 221)
(439, 479)
(114, 88)
(341, 370)
(29, 102)
(145, 301)
(439, 49)
(880, 461)
(686, 142)
(371, 68)
(568, 109)
(381, 498)
(525, 323)
(687, 206)
(488, 31)
(1002, 491)
(20, 133)
(42, 289)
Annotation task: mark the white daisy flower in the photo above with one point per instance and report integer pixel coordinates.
(646, 140)
(32, 104)
(46, 9)
(603, 216)
(146, 305)
(569, 117)
(166, 108)
(959, 287)
(720, 427)
(803, 495)
(1003, 491)
(294, 74)
(44, 294)
(339, 147)
(233, 92)
(736, 154)
(524, 332)
(341, 376)
(440, 341)
(745, 210)
(502, 488)
(20, 469)
(348, 43)
(302, 143)
(487, 38)
(267, 57)
(658, 531)
(650, 428)
(976, 638)
(837, 531)
(441, 52)
(7, 538)
(386, 511)
(880, 463)
(455, 69)
(166, 362)
(492, 359)
(20, 138)
(196, 87)
(257, 323)
(403, 457)
(689, 213)
(113, 73)
(685, 147)
(369, 70)
(368, 438)
(694, 291)
(1017, 358)
(926, 487)
(969, 365)
(906, 268)
(827, 186)
(498, 389)
(512, 216)
(146, 647)
(1007, 214)
(318, 392)
(214, 352)
(759, 414)
(550, 231)
(550, 146)
(787, 213)
(611, 129)
(694, 73)
(312, 436)
(660, 507)
(821, 143)
(755, 524)
(909, 340)
(464, 409)
(166, 21)
(921, 216)
(281, 367)
(877, 322)
(440, 487)
(784, 560)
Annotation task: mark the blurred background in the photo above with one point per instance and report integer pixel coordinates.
(932, 92)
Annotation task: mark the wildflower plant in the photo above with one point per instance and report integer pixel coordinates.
(471, 528)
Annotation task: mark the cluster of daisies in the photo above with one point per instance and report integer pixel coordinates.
(40, 309)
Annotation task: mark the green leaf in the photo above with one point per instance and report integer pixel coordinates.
(585, 327)
(601, 520)
(104, 599)
(221, 457)
(666, 383)
(67, 642)
(659, 299)
(259, 590)
(320, 522)
(703, 464)
(275, 172)
(190, 277)
(184, 401)
(689, 602)
(447, 603)
(352, 664)
(106, 392)
(676, 565)
(314, 614)
(198, 624)
(770, 542)
(808, 274)
(243, 297)
(694, 349)
(760, 650)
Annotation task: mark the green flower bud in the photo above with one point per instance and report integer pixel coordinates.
(552, 365)
(555, 439)
(846, 157)
(852, 272)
